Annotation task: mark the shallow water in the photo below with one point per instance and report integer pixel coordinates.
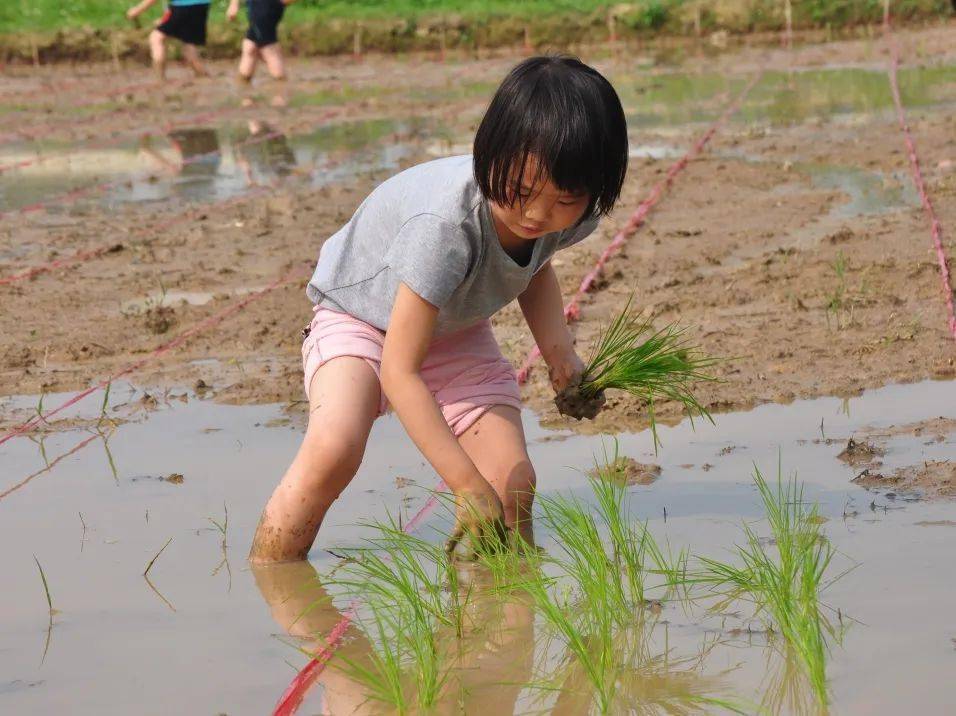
(215, 163)
(781, 98)
(226, 161)
(201, 639)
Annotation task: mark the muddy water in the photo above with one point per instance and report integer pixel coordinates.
(199, 637)
(781, 97)
(214, 163)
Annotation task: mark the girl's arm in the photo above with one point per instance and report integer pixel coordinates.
(139, 8)
(543, 309)
(232, 10)
(410, 329)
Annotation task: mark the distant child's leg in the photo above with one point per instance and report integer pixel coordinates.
(344, 401)
(191, 57)
(496, 444)
(157, 52)
(248, 58)
(247, 67)
(272, 55)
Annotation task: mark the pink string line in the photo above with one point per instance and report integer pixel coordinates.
(292, 697)
(79, 446)
(936, 229)
(572, 310)
(202, 326)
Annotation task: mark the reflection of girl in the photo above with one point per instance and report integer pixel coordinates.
(200, 158)
(404, 291)
(265, 157)
(494, 663)
(262, 41)
(184, 20)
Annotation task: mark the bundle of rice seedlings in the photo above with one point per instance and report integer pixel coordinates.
(401, 582)
(651, 365)
(784, 581)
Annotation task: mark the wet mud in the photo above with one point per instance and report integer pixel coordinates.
(798, 224)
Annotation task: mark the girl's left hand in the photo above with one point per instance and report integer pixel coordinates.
(566, 375)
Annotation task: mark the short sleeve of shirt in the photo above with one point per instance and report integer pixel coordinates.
(578, 233)
(431, 256)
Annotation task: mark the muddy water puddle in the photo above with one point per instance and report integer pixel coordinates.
(206, 635)
(781, 98)
(203, 164)
(214, 163)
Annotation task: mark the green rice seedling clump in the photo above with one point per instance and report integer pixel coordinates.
(651, 365)
(410, 597)
(784, 578)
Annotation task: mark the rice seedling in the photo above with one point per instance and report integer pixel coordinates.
(599, 592)
(46, 589)
(222, 526)
(784, 583)
(651, 365)
(105, 404)
(50, 610)
(410, 590)
(149, 566)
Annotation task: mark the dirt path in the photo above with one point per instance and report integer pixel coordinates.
(747, 249)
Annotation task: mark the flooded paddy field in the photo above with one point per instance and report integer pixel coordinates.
(794, 245)
(200, 635)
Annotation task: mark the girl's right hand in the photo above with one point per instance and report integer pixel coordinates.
(232, 11)
(479, 515)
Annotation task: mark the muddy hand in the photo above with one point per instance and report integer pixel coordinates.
(480, 516)
(566, 375)
(575, 404)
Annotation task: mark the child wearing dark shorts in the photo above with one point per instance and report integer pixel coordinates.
(261, 41)
(184, 20)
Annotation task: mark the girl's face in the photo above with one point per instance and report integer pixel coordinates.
(540, 207)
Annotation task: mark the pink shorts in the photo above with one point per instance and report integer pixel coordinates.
(465, 370)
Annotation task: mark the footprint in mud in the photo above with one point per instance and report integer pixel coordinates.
(861, 453)
(626, 471)
(159, 319)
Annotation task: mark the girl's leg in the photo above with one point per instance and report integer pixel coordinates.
(191, 57)
(247, 67)
(248, 59)
(272, 56)
(344, 401)
(157, 52)
(496, 444)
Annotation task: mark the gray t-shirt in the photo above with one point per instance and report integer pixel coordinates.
(430, 228)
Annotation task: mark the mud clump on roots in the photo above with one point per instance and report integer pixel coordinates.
(159, 319)
(861, 453)
(626, 471)
(573, 403)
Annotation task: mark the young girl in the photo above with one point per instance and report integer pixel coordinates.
(184, 20)
(403, 293)
(261, 41)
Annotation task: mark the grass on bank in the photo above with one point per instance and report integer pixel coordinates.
(48, 16)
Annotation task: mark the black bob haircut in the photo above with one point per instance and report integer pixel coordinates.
(569, 118)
